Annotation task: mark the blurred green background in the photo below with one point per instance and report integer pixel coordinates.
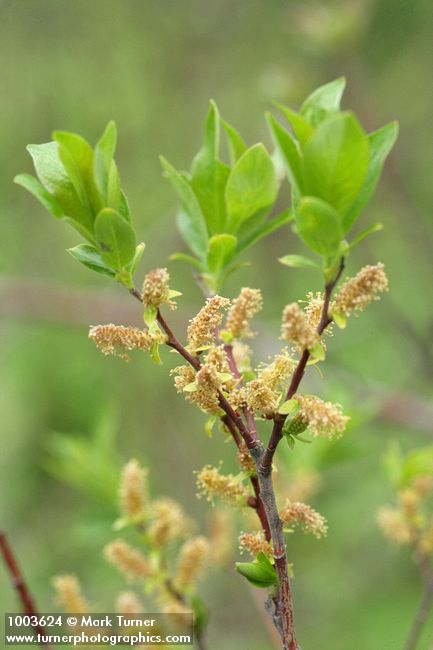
(152, 66)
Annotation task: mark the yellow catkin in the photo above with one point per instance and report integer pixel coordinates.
(276, 374)
(314, 308)
(324, 418)
(156, 289)
(245, 460)
(300, 514)
(230, 488)
(221, 535)
(192, 560)
(127, 604)
(205, 395)
(261, 399)
(426, 541)
(69, 594)
(201, 329)
(178, 611)
(133, 490)
(296, 329)
(360, 291)
(244, 308)
(394, 526)
(168, 522)
(255, 543)
(130, 562)
(116, 339)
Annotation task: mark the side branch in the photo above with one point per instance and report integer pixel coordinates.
(19, 584)
(325, 320)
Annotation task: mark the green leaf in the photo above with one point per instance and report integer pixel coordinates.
(335, 162)
(105, 170)
(377, 227)
(149, 315)
(300, 126)
(209, 175)
(339, 319)
(52, 174)
(133, 264)
(266, 229)
(154, 354)
(201, 614)
(418, 462)
(191, 223)
(298, 262)
(318, 226)
(289, 407)
(115, 239)
(236, 144)
(209, 425)
(323, 101)
(380, 144)
(221, 251)
(318, 351)
(290, 439)
(251, 187)
(289, 151)
(77, 158)
(36, 188)
(258, 574)
(91, 258)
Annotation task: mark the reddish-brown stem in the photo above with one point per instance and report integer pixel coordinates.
(20, 585)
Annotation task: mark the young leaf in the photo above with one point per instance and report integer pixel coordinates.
(251, 187)
(133, 264)
(335, 162)
(115, 239)
(105, 170)
(290, 407)
(300, 126)
(377, 227)
(77, 158)
(323, 101)
(298, 262)
(221, 251)
(91, 258)
(52, 174)
(236, 144)
(191, 221)
(36, 188)
(318, 226)
(258, 573)
(289, 151)
(380, 144)
(209, 175)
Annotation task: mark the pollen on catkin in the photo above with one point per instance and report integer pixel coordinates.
(244, 308)
(69, 594)
(201, 329)
(296, 329)
(246, 463)
(116, 339)
(261, 398)
(394, 526)
(229, 488)
(130, 562)
(324, 418)
(276, 374)
(192, 561)
(255, 543)
(156, 289)
(358, 292)
(296, 513)
(133, 490)
(127, 604)
(168, 522)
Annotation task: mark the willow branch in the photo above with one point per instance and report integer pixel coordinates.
(20, 585)
(277, 431)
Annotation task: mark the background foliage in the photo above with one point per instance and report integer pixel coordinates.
(152, 67)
